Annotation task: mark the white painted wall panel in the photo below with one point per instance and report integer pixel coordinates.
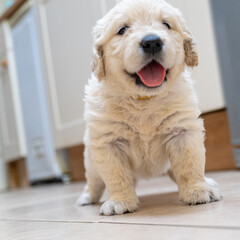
(206, 76)
(66, 29)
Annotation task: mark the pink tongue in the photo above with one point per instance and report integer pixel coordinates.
(152, 75)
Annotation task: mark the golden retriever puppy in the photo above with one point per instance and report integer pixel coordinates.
(141, 109)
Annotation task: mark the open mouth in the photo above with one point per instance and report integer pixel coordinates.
(152, 75)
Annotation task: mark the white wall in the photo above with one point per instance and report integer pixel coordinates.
(2, 5)
(207, 75)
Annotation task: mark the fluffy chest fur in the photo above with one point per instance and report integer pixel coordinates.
(137, 128)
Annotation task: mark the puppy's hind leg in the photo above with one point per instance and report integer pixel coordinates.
(94, 188)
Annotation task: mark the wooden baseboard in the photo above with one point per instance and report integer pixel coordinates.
(219, 154)
(17, 174)
(75, 155)
(11, 10)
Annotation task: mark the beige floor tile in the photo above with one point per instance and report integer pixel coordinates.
(19, 230)
(38, 195)
(159, 205)
(165, 208)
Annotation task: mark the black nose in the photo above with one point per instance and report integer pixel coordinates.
(151, 44)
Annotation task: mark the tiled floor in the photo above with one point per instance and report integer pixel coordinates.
(50, 213)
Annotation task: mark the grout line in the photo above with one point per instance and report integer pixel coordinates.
(43, 220)
(126, 223)
(177, 225)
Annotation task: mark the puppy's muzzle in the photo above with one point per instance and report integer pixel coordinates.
(151, 44)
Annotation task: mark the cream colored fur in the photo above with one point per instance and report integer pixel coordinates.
(128, 138)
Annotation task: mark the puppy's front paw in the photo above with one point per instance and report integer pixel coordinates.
(84, 199)
(111, 207)
(201, 193)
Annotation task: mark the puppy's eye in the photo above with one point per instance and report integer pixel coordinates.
(122, 30)
(167, 25)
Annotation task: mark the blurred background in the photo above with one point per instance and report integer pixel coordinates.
(45, 57)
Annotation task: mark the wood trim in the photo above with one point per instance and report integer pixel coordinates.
(17, 174)
(76, 163)
(219, 154)
(11, 10)
(236, 146)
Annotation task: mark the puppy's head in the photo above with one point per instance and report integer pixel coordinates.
(141, 46)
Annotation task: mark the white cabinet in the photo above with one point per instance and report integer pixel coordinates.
(67, 49)
(11, 124)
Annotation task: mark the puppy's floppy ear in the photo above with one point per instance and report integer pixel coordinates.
(98, 67)
(102, 32)
(190, 48)
(99, 38)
